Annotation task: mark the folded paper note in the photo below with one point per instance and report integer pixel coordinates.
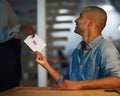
(35, 43)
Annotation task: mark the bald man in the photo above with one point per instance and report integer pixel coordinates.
(95, 63)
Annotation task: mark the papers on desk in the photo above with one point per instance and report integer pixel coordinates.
(35, 43)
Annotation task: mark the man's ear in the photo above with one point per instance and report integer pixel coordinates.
(91, 22)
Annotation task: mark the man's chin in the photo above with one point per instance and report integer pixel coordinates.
(76, 32)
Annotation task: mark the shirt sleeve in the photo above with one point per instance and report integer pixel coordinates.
(9, 26)
(8, 33)
(110, 60)
(64, 76)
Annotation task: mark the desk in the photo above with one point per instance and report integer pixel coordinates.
(42, 91)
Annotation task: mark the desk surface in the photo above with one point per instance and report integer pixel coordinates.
(42, 91)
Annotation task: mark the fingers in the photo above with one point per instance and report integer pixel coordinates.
(33, 35)
(37, 52)
(38, 55)
(27, 29)
(40, 59)
(65, 85)
(61, 86)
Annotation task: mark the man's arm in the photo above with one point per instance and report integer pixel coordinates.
(111, 82)
(43, 61)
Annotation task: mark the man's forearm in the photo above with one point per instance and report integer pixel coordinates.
(111, 82)
(55, 74)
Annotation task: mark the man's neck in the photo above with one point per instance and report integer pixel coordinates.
(88, 38)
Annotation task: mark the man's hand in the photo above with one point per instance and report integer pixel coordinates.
(68, 85)
(110, 82)
(39, 58)
(27, 29)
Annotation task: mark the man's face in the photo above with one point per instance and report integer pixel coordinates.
(81, 24)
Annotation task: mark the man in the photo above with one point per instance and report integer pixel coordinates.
(95, 63)
(10, 48)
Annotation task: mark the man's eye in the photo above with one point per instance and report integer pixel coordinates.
(80, 16)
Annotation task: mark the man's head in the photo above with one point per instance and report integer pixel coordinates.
(91, 19)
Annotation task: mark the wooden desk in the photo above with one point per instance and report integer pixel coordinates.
(38, 91)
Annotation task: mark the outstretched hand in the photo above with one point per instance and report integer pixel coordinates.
(39, 58)
(27, 29)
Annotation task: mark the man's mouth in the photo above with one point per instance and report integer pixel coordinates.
(76, 27)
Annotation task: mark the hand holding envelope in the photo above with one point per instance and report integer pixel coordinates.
(35, 43)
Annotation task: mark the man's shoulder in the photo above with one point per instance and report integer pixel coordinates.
(106, 44)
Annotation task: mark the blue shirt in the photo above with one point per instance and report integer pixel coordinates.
(101, 59)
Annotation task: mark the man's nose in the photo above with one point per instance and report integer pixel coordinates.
(76, 20)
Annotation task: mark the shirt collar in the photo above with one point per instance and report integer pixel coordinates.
(92, 43)
(95, 41)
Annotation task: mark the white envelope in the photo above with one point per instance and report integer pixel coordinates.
(35, 43)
